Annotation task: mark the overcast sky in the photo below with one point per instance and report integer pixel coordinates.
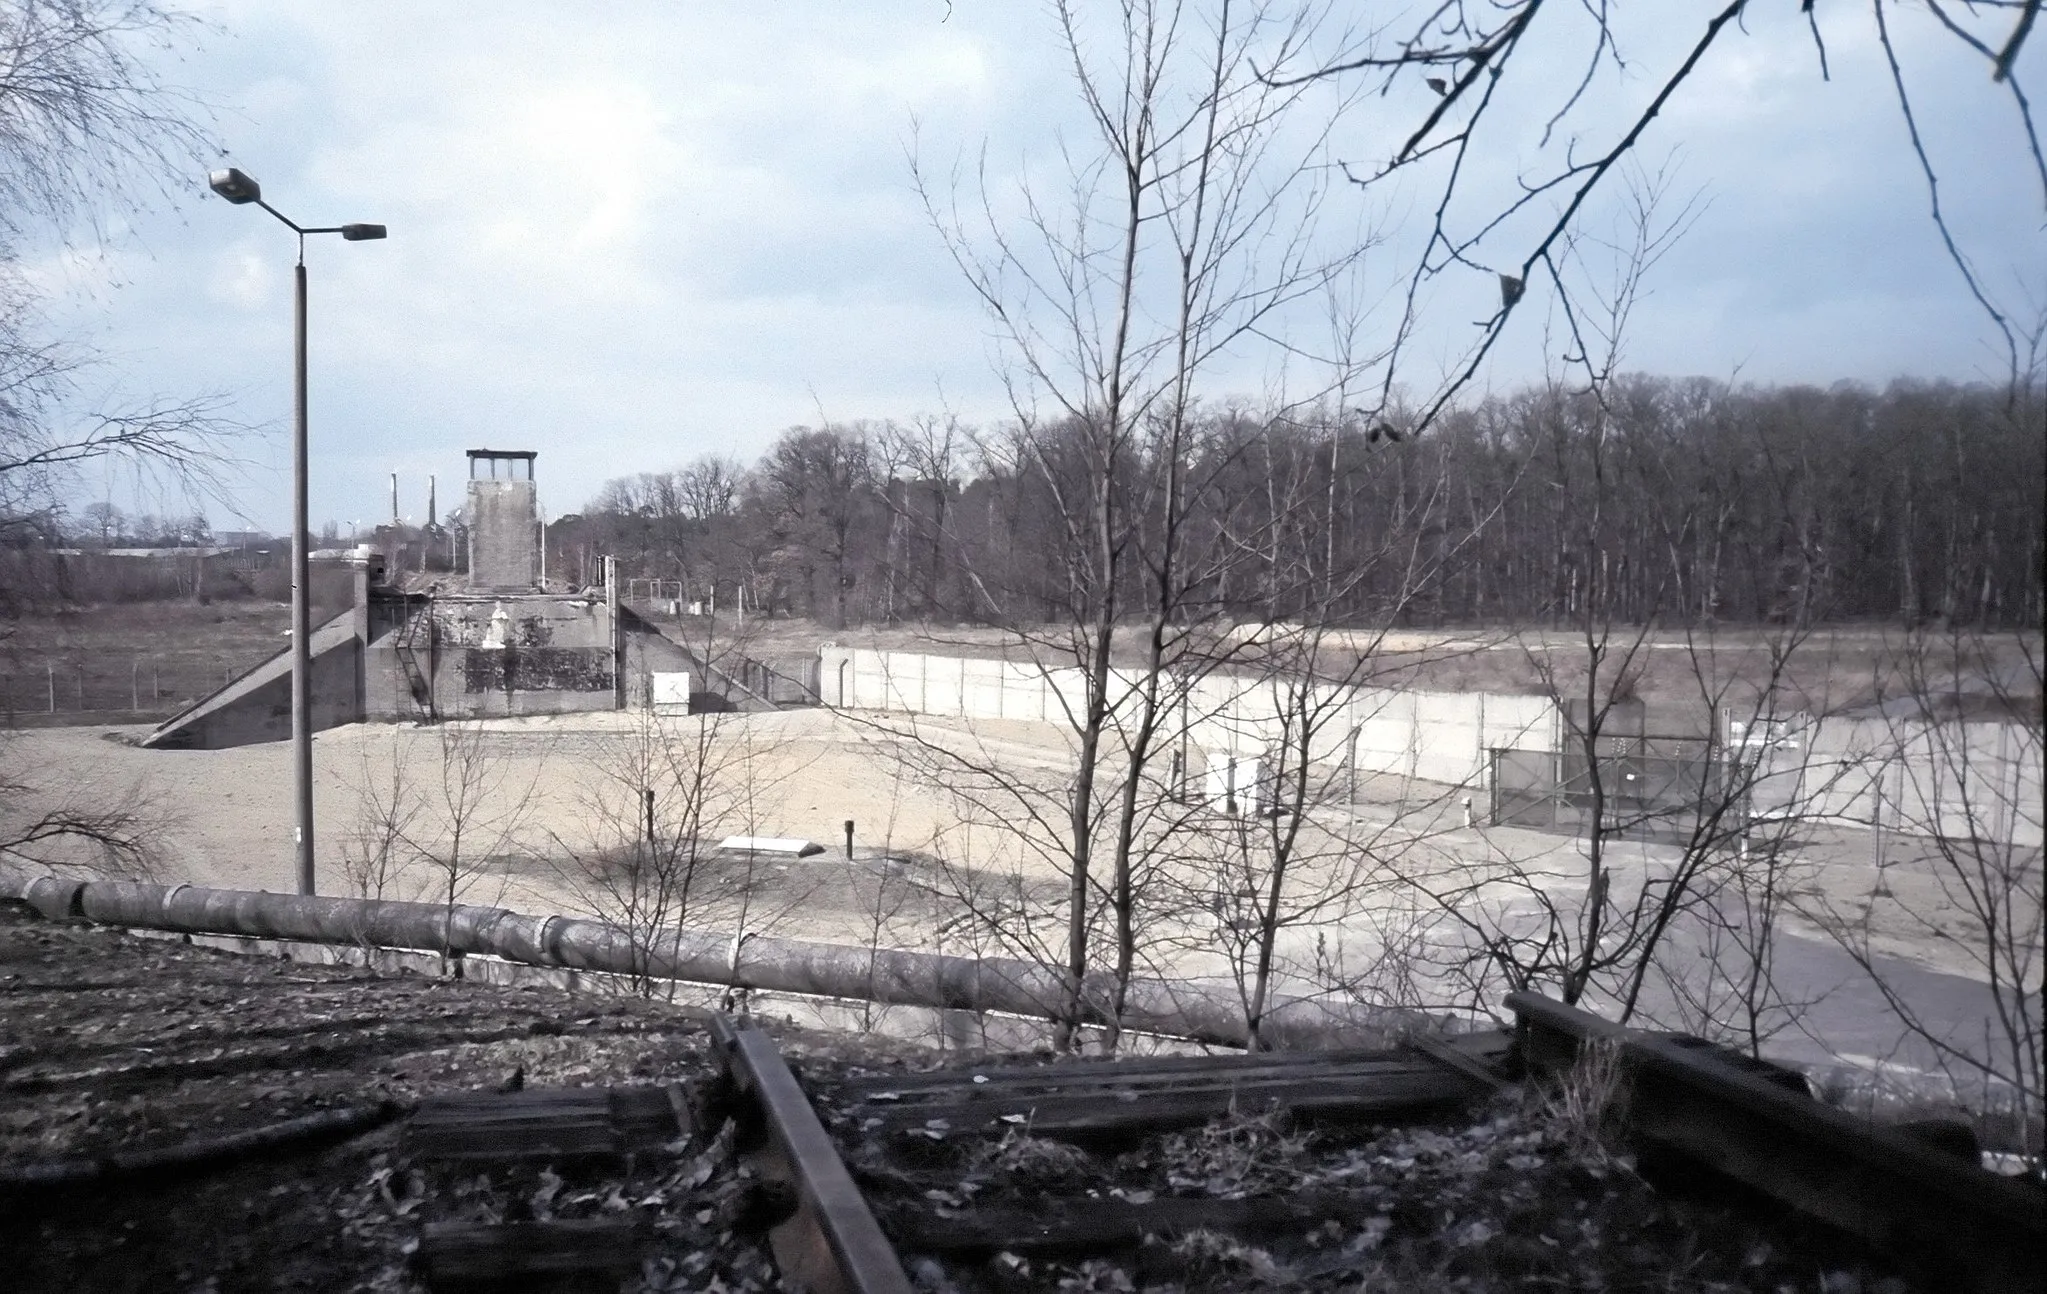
(627, 234)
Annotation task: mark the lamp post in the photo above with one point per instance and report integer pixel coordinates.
(239, 188)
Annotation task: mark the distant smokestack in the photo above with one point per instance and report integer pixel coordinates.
(394, 500)
(430, 501)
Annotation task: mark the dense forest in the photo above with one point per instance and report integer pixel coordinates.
(1659, 500)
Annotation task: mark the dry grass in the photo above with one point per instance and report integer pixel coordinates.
(1589, 1105)
(147, 659)
(1034, 1161)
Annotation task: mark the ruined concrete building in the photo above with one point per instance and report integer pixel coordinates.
(498, 641)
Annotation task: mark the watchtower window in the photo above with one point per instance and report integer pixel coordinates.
(501, 464)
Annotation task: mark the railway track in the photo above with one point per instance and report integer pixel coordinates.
(1021, 1176)
(859, 1169)
(1743, 1120)
(831, 1239)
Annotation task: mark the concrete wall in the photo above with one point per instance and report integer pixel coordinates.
(504, 544)
(488, 656)
(1434, 736)
(649, 652)
(534, 654)
(1958, 781)
(257, 706)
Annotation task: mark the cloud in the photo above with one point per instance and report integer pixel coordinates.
(244, 279)
(628, 234)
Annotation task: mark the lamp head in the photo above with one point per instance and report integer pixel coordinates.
(361, 233)
(234, 185)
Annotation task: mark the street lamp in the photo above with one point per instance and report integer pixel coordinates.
(239, 188)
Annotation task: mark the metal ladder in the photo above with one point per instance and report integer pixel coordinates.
(408, 656)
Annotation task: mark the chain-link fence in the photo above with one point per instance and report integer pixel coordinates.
(785, 682)
(1643, 788)
(1524, 784)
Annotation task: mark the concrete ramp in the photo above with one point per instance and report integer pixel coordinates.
(651, 647)
(257, 705)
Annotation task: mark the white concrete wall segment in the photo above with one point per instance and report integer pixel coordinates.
(883, 686)
(2028, 788)
(1028, 691)
(1955, 780)
(1976, 779)
(944, 685)
(1450, 737)
(907, 672)
(1511, 722)
(868, 688)
(1434, 736)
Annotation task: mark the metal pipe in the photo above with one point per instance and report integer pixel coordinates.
(763, 963)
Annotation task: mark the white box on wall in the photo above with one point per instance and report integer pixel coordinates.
(670, 691)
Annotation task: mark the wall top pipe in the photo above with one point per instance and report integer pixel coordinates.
(935, 980)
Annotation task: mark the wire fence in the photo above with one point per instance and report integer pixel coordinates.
(787, 682)
(122, 689)
(1647, 788)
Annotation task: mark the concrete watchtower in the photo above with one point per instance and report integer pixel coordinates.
(504, 520)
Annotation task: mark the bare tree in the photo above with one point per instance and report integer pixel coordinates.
(647, 860)
(817, 487)
(1185, 232)
(474, 806)
(1954, 756)
(83, 114)
(884, 888)
(922, 461)
(708, 488)
(90, 827)
(1292, 864)
(1673, 857)
(84, 121)
(1503, 213)
(376, 851)
(672, 783)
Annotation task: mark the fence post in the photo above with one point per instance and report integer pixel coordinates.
(50, 668)
(134, 684)
(1355, 730)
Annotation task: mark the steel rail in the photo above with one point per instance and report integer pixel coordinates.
(1967, 1227)
(832, 1244)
